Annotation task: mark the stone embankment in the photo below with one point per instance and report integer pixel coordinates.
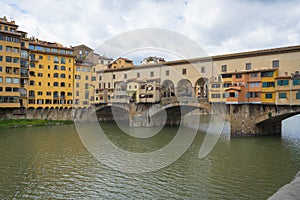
(290, 191)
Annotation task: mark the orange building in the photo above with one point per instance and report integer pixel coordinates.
(255, 86)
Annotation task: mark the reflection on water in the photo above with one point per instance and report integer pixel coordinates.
(51, 163)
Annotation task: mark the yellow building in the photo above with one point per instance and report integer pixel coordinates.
(268, 94)
(50, 75)
(10, 45)
(24, 70)
(120, 63)
(83, 85)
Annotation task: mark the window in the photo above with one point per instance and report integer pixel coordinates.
(69, 94)
(56, 67)
(268, 84)
(39, 48)
(267, 74)
(298, 95)
(254, 75)
(113, 76)
(215, 95)
(40, 74)
(248, 66)
(86, 77)
(77, 93)
(62, 76)
(40, 57)
(8, 89)
(55, 75)
(86, 86)
(16, 80)
(237, 76)
(282, 82)
(268, 95)
(282, 95)
(224, 68)
(296, 82)
(275, 63)
(56, 59)
(93, 78)
(77, 77)
(215, 85)
(151, 74)
(1, 47)
(8, 49)
(55, 84)
(62, 84)
(202, 69)
(125, 76)
(77, 69)
(63, 68)
(1, 79)
(8, 80)
(167, 72)
(41, 66)
(32, 65)
(16, 60)
(48, 93)
(254, 85)
(8, 59)
(63, 60)
(138, 75)
(31, 82)
(86, 95)
(184, 71)
(40, 93)
(1, 58)
(77, 85)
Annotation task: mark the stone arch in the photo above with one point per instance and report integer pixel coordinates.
(168, 88)
(184, 88)
(201, 88)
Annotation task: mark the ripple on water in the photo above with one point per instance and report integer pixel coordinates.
(51, 163)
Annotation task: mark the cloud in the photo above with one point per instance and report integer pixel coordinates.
(218, 26)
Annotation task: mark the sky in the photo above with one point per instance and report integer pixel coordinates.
(218, 27)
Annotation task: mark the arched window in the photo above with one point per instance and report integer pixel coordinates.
(62, 76)
(55, 75)
(55, 84)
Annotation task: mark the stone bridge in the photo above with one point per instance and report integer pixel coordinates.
(255, 120)
(168, 112)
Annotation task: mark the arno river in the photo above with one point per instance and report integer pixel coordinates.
(52, 163)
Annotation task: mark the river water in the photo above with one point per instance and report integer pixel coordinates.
(52, 163)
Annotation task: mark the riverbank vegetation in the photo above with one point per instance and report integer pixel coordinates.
(17, 123)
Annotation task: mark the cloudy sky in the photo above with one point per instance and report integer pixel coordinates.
(217, 26)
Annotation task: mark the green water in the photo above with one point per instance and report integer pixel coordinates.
(52, 163)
